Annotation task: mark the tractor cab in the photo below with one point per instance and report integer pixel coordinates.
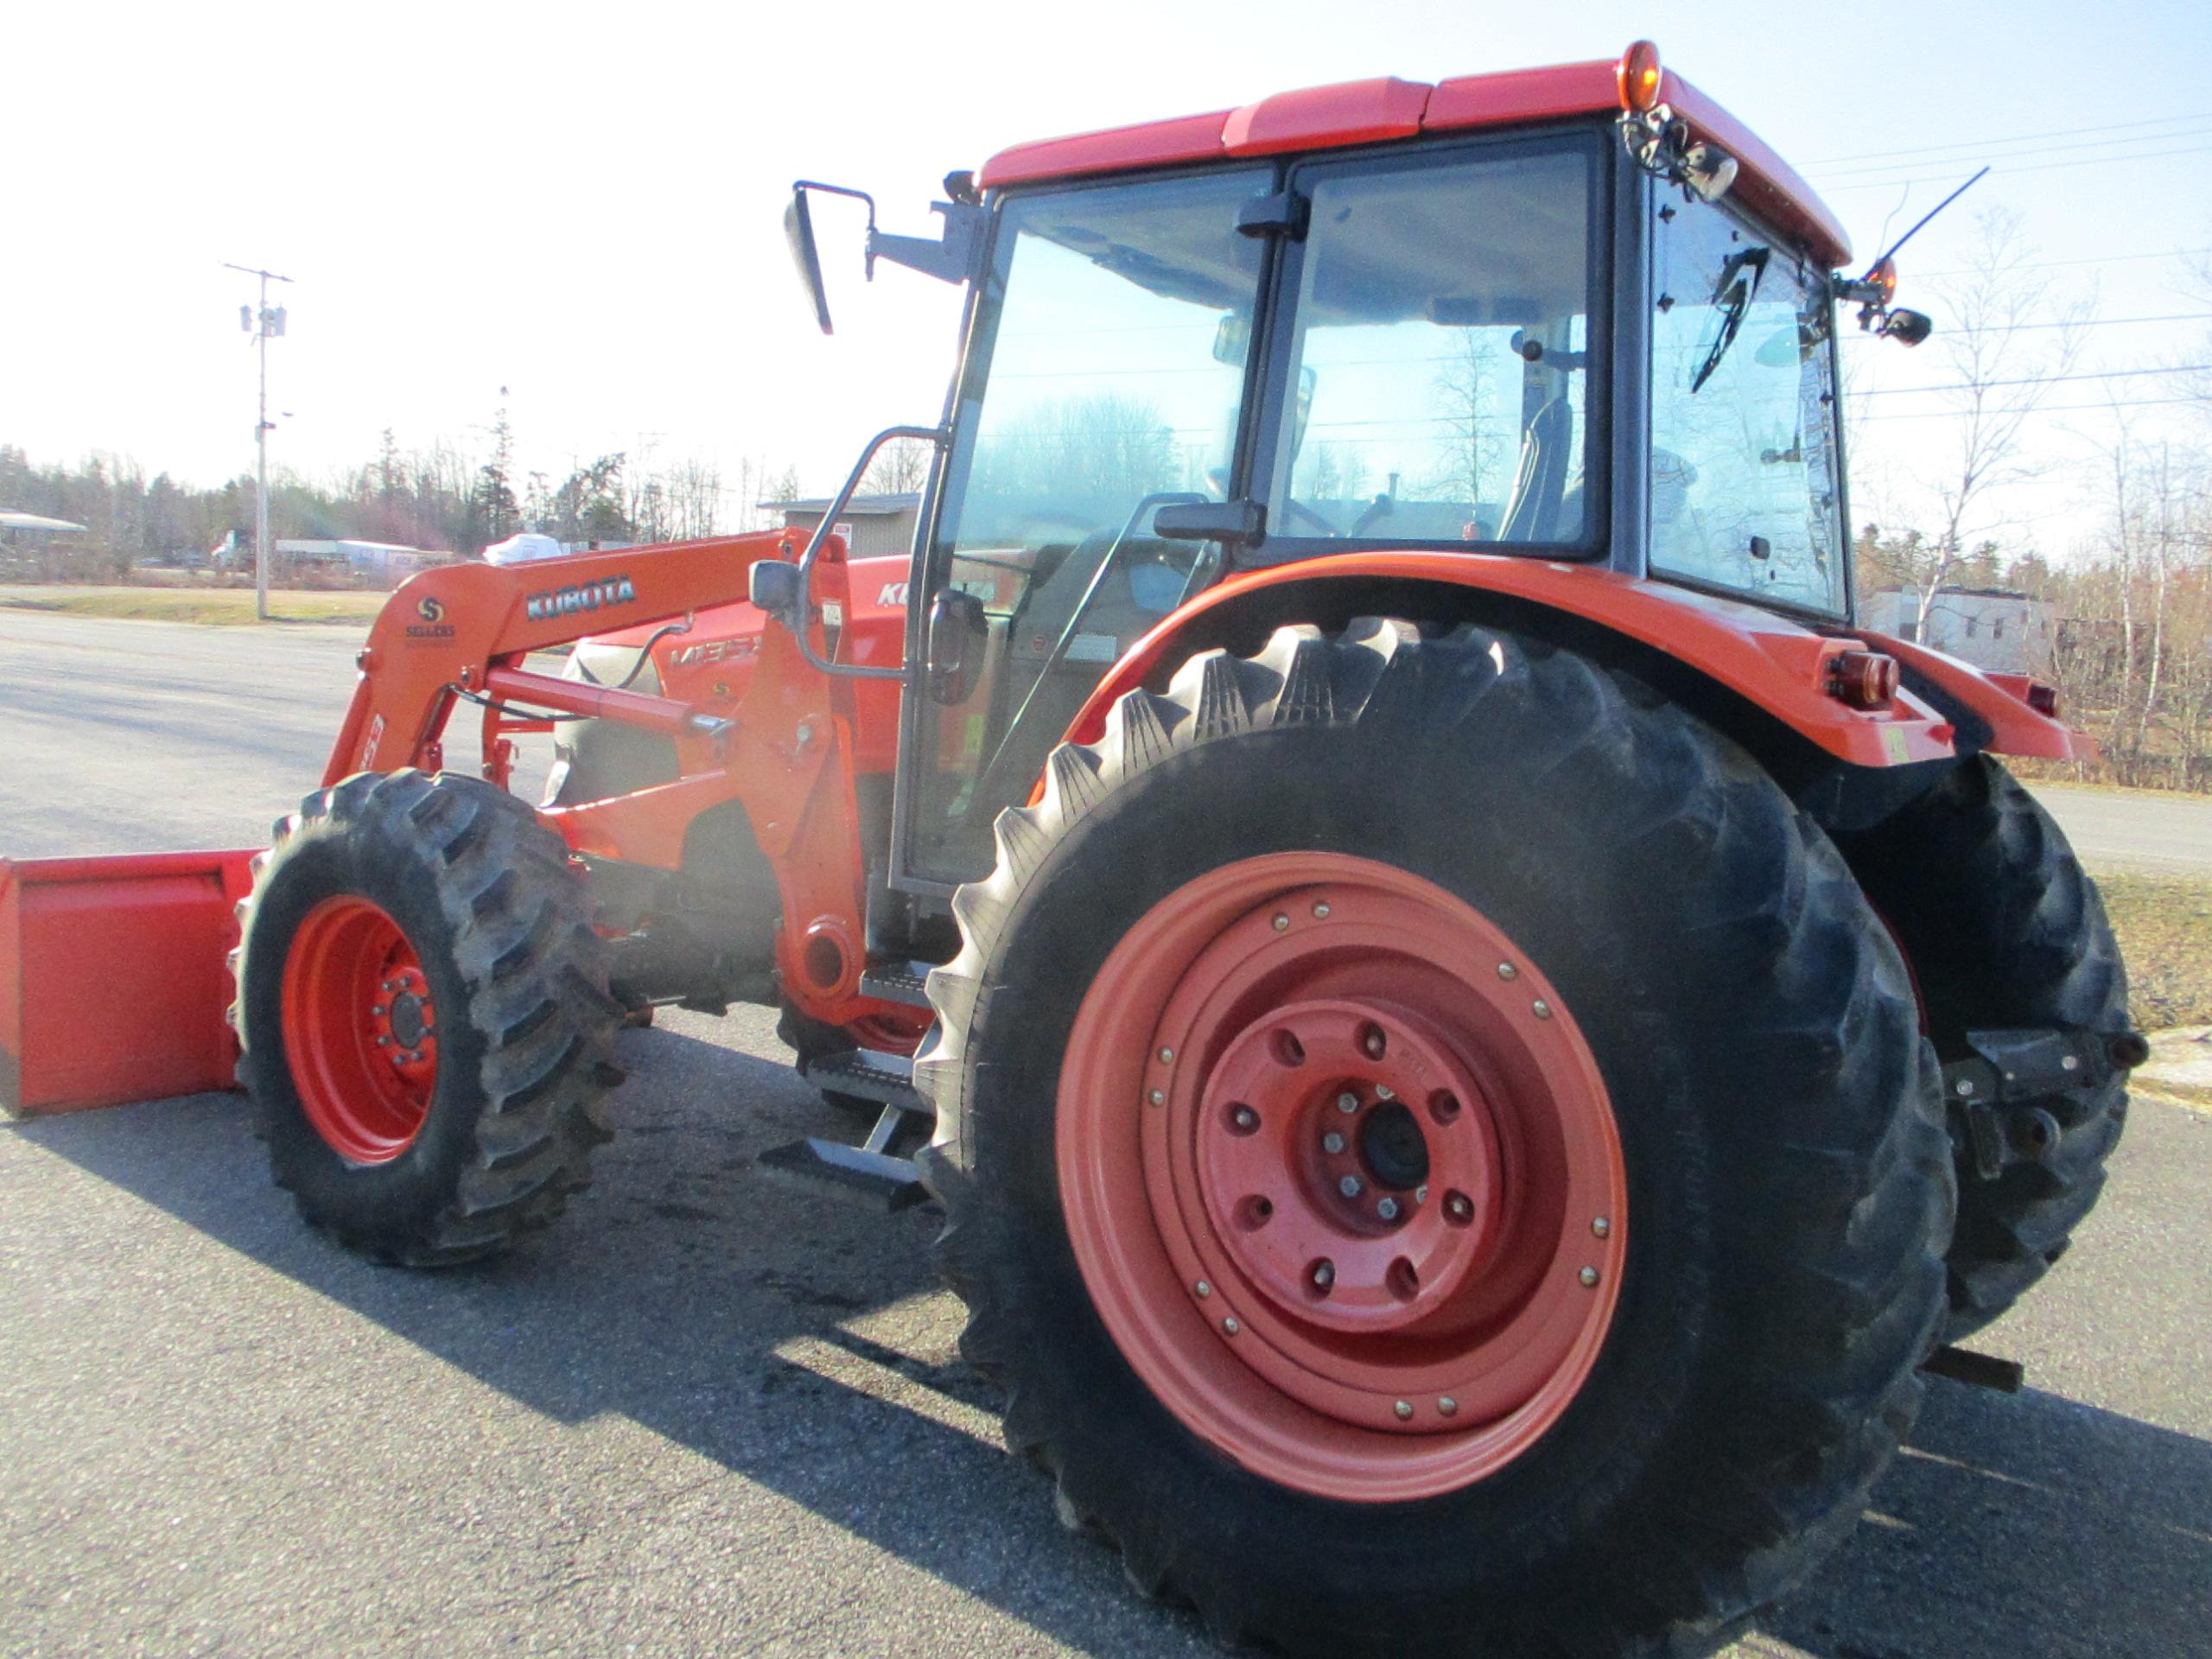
(1547, 316)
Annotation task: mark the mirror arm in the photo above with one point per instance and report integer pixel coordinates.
(950, 259)
(801, 600)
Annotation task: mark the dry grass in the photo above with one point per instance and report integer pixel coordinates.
(211, 606)
(2164, 924)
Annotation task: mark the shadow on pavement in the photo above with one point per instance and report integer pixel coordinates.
(765, 1329)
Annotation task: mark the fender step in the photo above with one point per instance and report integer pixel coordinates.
(899, 982)
(868, 1073)
(870, 1172)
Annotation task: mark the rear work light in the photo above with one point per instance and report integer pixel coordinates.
(1863, 679)
(2043, 699)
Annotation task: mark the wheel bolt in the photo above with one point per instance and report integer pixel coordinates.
(1325, 1275)
(1349, 1187)
(1507, 970)
(1387, 1209)
(1281, 923)
(1245, 1119)
(1404, 1409)
(1384, 1092)
(1588, 1275)
(1601, 1227)
(1420, 1195)
(1229, 1326)
(376, 1009)
(1166, 1055)
(384, 1042)
(1447, 1406)
(1332, 1143)
(1459, 1206)
(1158, 1097)
(1347, 1103)
(1541, 1008)
(1204, 1289)
(1373, 1045)
(1321, 912)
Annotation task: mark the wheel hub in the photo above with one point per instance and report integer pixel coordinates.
(360, 1030)
(1329, 1191)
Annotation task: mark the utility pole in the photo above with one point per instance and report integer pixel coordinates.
(264, 324)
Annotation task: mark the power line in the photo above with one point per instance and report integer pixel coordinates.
(1998, 153)
(1974, 143)
(2037, 408)
(2037, 380)
(1864, 336)
(2041, 167)
(2086, 259)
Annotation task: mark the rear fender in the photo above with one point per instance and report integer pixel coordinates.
(1775, 664)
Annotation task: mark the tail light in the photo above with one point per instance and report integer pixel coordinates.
(1863, 679)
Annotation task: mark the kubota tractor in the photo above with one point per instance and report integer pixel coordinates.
(1478, 1031)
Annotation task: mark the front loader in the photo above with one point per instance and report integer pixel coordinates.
(1473, 1030)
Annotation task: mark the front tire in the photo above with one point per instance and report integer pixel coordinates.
(424, 1015)
(1760, 1123)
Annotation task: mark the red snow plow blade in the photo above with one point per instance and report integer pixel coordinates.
(112, 978)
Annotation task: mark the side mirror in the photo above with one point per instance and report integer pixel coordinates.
(798, 231)
(1907, 327)
(958, 633)
(772, 585)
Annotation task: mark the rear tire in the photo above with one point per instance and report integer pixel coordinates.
(1779, 1125)
(424, 1014)
(2004, 928)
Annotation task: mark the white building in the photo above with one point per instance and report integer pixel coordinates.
(1990, 627)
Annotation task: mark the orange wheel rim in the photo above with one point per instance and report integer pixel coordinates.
(360, 1032)
(1342, 1177)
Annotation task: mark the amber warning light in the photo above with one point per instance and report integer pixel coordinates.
(1640, 75)
(1863, 679)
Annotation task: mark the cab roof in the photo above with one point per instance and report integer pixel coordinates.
(1375, 111)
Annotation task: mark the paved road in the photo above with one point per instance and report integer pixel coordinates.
(2134, 829)
(710, 1414)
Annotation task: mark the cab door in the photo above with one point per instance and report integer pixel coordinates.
(1106, 375)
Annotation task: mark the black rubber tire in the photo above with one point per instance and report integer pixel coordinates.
(1790, 1178)
(2004, 928)
(488, 899)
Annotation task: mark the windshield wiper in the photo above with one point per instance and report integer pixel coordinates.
(1738, 286)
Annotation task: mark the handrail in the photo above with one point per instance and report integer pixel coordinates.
(938, 436)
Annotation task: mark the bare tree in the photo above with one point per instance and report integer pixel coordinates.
(899, 467)
(2002, 371)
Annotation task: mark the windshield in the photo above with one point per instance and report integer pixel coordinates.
(1441, 354)
(1744, 492)
(1109, 344)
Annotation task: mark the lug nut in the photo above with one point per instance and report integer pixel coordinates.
(1332, 1143)
(1601, 1227)
(1347, 1103)
(1325, 1275)
(1245, 1119)
(1588, 1275)
(1349, 1187)
(1446, 1406)
(1158, 1097)
(1229, 1326)
(1321, 912)
(1387, 1209)
(1404, 1409)
(1541, 1008)
(1373, 1043)
(1204, 1289)
(1281, 923)
(1507, 970)
(1420, 1195)
(1459, 1206)
(385, 1041)
(1384, 1092)
(376, 1009)
(1166, 1055)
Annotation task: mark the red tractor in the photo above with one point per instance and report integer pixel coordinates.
(1473, 1030)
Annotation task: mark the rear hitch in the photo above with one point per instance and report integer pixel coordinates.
(1997, 1091)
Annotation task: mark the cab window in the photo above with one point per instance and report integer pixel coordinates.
(1744, 492)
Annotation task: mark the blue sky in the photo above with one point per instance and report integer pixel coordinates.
(582, 203)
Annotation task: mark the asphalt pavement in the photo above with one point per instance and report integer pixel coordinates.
(710, 1414)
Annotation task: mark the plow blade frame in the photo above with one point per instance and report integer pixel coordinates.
(113, 982)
